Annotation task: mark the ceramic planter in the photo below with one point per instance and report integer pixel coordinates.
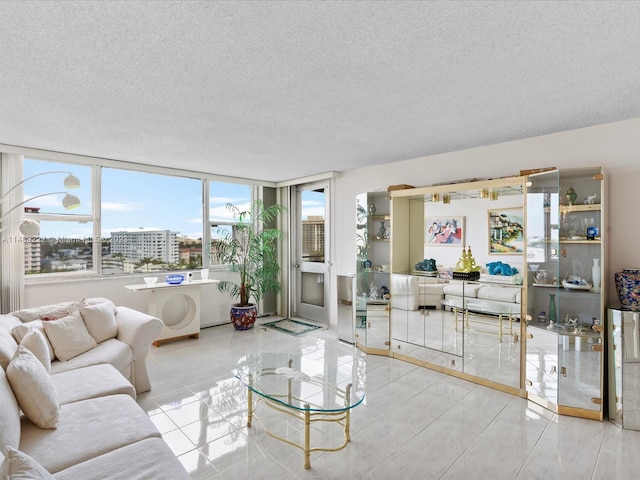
(243, 318)
(628, 287)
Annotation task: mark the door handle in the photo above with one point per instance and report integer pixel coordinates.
(297, 265)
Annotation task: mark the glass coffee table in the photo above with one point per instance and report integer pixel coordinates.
(310, 390)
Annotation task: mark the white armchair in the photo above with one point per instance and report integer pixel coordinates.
(412, 292)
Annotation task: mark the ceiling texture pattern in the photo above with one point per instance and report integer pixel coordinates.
(280, 90)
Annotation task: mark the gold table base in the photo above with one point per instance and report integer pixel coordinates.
(342, 418)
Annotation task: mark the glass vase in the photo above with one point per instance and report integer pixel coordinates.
(552, 308)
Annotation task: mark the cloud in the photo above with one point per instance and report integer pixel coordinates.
(122, 206)
(220, 213)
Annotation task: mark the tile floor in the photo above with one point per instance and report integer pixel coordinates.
(414, 423)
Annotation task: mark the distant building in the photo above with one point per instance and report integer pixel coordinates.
(313, 238)
(32, 256)
(190, 253)
(145, 242)
(32, 249)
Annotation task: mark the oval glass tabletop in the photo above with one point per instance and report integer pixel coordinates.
(302, 383)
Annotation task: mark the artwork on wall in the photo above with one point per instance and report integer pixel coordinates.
(506, 232)
(446, 231)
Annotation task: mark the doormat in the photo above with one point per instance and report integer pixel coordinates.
(292, 327)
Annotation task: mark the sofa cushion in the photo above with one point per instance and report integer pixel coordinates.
(430, 289)
(9, 414)
(100, 321)
(91, 382)
(33, 388)
(500, 294)
(18, 465)
(19, 332)
(456, 289)
(69, 336)
(8, 347)
(36, 343)
(111, 351)
(87, 429)
(149, 458)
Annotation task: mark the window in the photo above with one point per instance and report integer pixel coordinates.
(220, 195)
(58, 196)
(139, 222)
(150, 222)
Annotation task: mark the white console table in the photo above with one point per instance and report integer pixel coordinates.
(178, 306)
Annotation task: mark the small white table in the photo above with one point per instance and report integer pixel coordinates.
(178, 306)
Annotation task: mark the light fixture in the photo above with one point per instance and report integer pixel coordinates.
(446, 199)
(435, 197)
(493, 194)
(484, 193)
(71, 181)
(70, 201)
(31, 228)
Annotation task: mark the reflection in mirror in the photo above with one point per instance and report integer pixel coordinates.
(624, 367)
(447, 322)
(480, 320)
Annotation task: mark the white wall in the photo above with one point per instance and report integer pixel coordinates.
(614, 146)
(476, 222)
(214, 305)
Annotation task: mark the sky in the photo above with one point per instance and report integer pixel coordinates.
(133, 199)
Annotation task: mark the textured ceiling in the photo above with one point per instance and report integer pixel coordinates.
(280, 90)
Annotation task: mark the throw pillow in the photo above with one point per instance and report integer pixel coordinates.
(36, 343)
(18, 465)
(100, 321)
(19, 332)
(90, 301)
(33, 388)
(8, 347)
(69, 336)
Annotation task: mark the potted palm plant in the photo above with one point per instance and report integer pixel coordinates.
(249, 249)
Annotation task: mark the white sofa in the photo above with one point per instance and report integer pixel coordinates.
(78, 418)
(122, 340)
(484, 298)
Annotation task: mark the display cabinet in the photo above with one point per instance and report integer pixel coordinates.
(373, 234)
(565, 225)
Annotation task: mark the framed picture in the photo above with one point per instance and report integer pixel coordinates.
(506, 231)
(445, 231)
